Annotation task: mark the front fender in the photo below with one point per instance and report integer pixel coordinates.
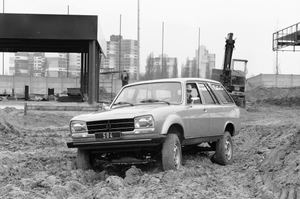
(170, 120)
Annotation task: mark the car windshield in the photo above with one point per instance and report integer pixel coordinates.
(161, 92)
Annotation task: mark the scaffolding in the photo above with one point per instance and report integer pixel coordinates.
(287, 39)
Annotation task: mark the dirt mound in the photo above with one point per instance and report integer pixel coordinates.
(275, 96)
(272, 141)
(281, 167)
(36, 163)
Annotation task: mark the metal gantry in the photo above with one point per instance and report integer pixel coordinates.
(287, 39)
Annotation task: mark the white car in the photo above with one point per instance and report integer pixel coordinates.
(154, 120)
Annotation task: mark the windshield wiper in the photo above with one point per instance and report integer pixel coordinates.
(154, 100)
(122, 103)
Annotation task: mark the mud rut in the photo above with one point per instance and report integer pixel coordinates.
(35, 163)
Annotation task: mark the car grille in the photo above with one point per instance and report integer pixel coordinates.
(110, 125)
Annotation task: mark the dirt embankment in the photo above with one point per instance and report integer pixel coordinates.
(275, 96)
(35, 162)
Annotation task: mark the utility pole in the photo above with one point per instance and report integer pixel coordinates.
(277, 64)
(120, 35)
(138, 40)
(68, 55)
(198, 71)
(3, 52)
(162, 50)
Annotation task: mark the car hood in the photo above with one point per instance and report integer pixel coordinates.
(123, 112)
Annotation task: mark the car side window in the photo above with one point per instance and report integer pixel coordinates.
(192, 92)
(221, 94)
(206, 94)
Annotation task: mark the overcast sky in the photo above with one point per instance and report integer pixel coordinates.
(251, 21)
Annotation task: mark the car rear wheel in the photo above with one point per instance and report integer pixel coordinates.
(171, 153)
(224, 150)
(83, 159)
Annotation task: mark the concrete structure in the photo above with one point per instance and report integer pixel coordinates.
(129, 56)
(58, 33)
(207, 63)
(273, 80)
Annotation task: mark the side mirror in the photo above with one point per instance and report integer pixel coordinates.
(195, 99)
(105, 106)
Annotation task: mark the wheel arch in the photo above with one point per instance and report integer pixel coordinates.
(180, 130)
(229, 126)
(172, 120)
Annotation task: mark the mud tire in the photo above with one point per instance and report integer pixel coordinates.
(83, 159)
(171, 153)
(224, 150)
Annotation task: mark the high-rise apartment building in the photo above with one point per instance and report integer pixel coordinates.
(207, 63)
(56, 65)
(158, 67)
(22, 67)
(211, 65)
(190, 69)
(25, 63)
(11, 65)
(122, 54)
(37, 62)
(45, 64)
(74, 64)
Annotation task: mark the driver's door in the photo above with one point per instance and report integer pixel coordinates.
(196, 115)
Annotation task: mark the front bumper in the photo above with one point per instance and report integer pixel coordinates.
(125, 143)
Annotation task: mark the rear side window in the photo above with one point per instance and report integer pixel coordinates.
(221, 93)
(206, 94)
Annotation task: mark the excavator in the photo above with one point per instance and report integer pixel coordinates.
(233, 80)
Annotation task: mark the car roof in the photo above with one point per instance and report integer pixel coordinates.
(182, 80)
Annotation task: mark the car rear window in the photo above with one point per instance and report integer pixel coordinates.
(221, 93)
(206, 94)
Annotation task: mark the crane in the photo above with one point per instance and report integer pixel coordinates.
(233, 80)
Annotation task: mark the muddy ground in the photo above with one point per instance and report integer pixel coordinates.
(35, 162)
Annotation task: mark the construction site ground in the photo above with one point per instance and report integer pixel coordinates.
(36, 163)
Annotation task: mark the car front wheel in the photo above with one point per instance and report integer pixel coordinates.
(171, 153)
(224, 150)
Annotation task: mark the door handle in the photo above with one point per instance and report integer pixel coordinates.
(205, 110)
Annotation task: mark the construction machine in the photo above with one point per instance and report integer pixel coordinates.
(234, 80)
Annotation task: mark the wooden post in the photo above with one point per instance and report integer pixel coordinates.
(25, 109)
